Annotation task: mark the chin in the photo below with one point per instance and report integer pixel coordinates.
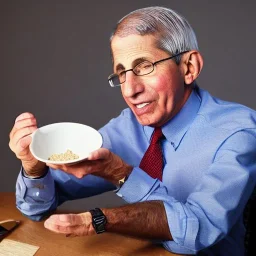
(149, 119)
(143, 122)
(146, 122)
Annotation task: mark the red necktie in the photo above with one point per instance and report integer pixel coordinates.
(152, 161)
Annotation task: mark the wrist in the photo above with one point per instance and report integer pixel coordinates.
(36, 170)
(127, 169)
(98, 220)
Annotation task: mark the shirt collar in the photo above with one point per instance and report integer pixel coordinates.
(176, 128)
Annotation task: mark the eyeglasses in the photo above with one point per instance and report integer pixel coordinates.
(144, 68)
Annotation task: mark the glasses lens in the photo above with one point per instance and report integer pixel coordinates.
(114, 80)
(143, 68)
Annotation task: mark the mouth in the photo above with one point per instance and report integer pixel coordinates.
(141, 105)
(143, 108)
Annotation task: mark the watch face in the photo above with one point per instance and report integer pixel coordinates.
(99, 220)
(100, 228)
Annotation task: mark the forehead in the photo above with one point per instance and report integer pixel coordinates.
(127, 49)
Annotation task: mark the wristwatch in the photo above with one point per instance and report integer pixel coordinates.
(99, 220)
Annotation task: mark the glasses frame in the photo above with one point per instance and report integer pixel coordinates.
(132, 69)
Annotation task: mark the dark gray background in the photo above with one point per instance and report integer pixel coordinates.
(55, 60)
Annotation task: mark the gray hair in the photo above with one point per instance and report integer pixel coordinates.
(172, 31)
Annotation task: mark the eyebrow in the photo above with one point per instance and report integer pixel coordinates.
(120, 67)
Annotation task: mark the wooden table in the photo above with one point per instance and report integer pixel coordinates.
(52, 244)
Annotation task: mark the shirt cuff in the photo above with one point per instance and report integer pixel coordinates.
(171, 246)
(184, 227)
(137, 187)
(42, 189)
(32, 177)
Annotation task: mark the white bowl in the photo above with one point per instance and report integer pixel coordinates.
(57, 138)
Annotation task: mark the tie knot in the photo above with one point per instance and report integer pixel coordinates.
(157, 135)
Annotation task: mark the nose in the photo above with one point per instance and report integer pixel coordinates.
(132, 85)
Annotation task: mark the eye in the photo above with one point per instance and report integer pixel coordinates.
(146, 65)
(143, 68)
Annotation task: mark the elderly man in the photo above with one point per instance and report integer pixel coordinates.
(182, 159)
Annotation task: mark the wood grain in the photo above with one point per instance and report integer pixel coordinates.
(52, 244)
(10, 247)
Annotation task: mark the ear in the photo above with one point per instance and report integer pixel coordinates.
(192, 65)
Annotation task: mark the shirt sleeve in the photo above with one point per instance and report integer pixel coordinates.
(35, 197)
(216, 203)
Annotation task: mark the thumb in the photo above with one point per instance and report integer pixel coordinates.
(99, 154)
(25, 142)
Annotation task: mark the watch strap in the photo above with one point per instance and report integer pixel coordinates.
(99, 220)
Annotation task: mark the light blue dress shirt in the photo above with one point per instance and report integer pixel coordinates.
(209, 174)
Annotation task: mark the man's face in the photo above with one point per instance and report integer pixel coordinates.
(154, 98)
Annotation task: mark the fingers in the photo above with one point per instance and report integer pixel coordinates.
(64, 220)
(25, 142)
(71, 224)
(24, 116)
(78, 170)
(23, 120)
(21, 139)
(101, 153)
(20, 123)
(55, 224)
(101, 163)
(29, 122)
(25, 125)
(23, 132)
